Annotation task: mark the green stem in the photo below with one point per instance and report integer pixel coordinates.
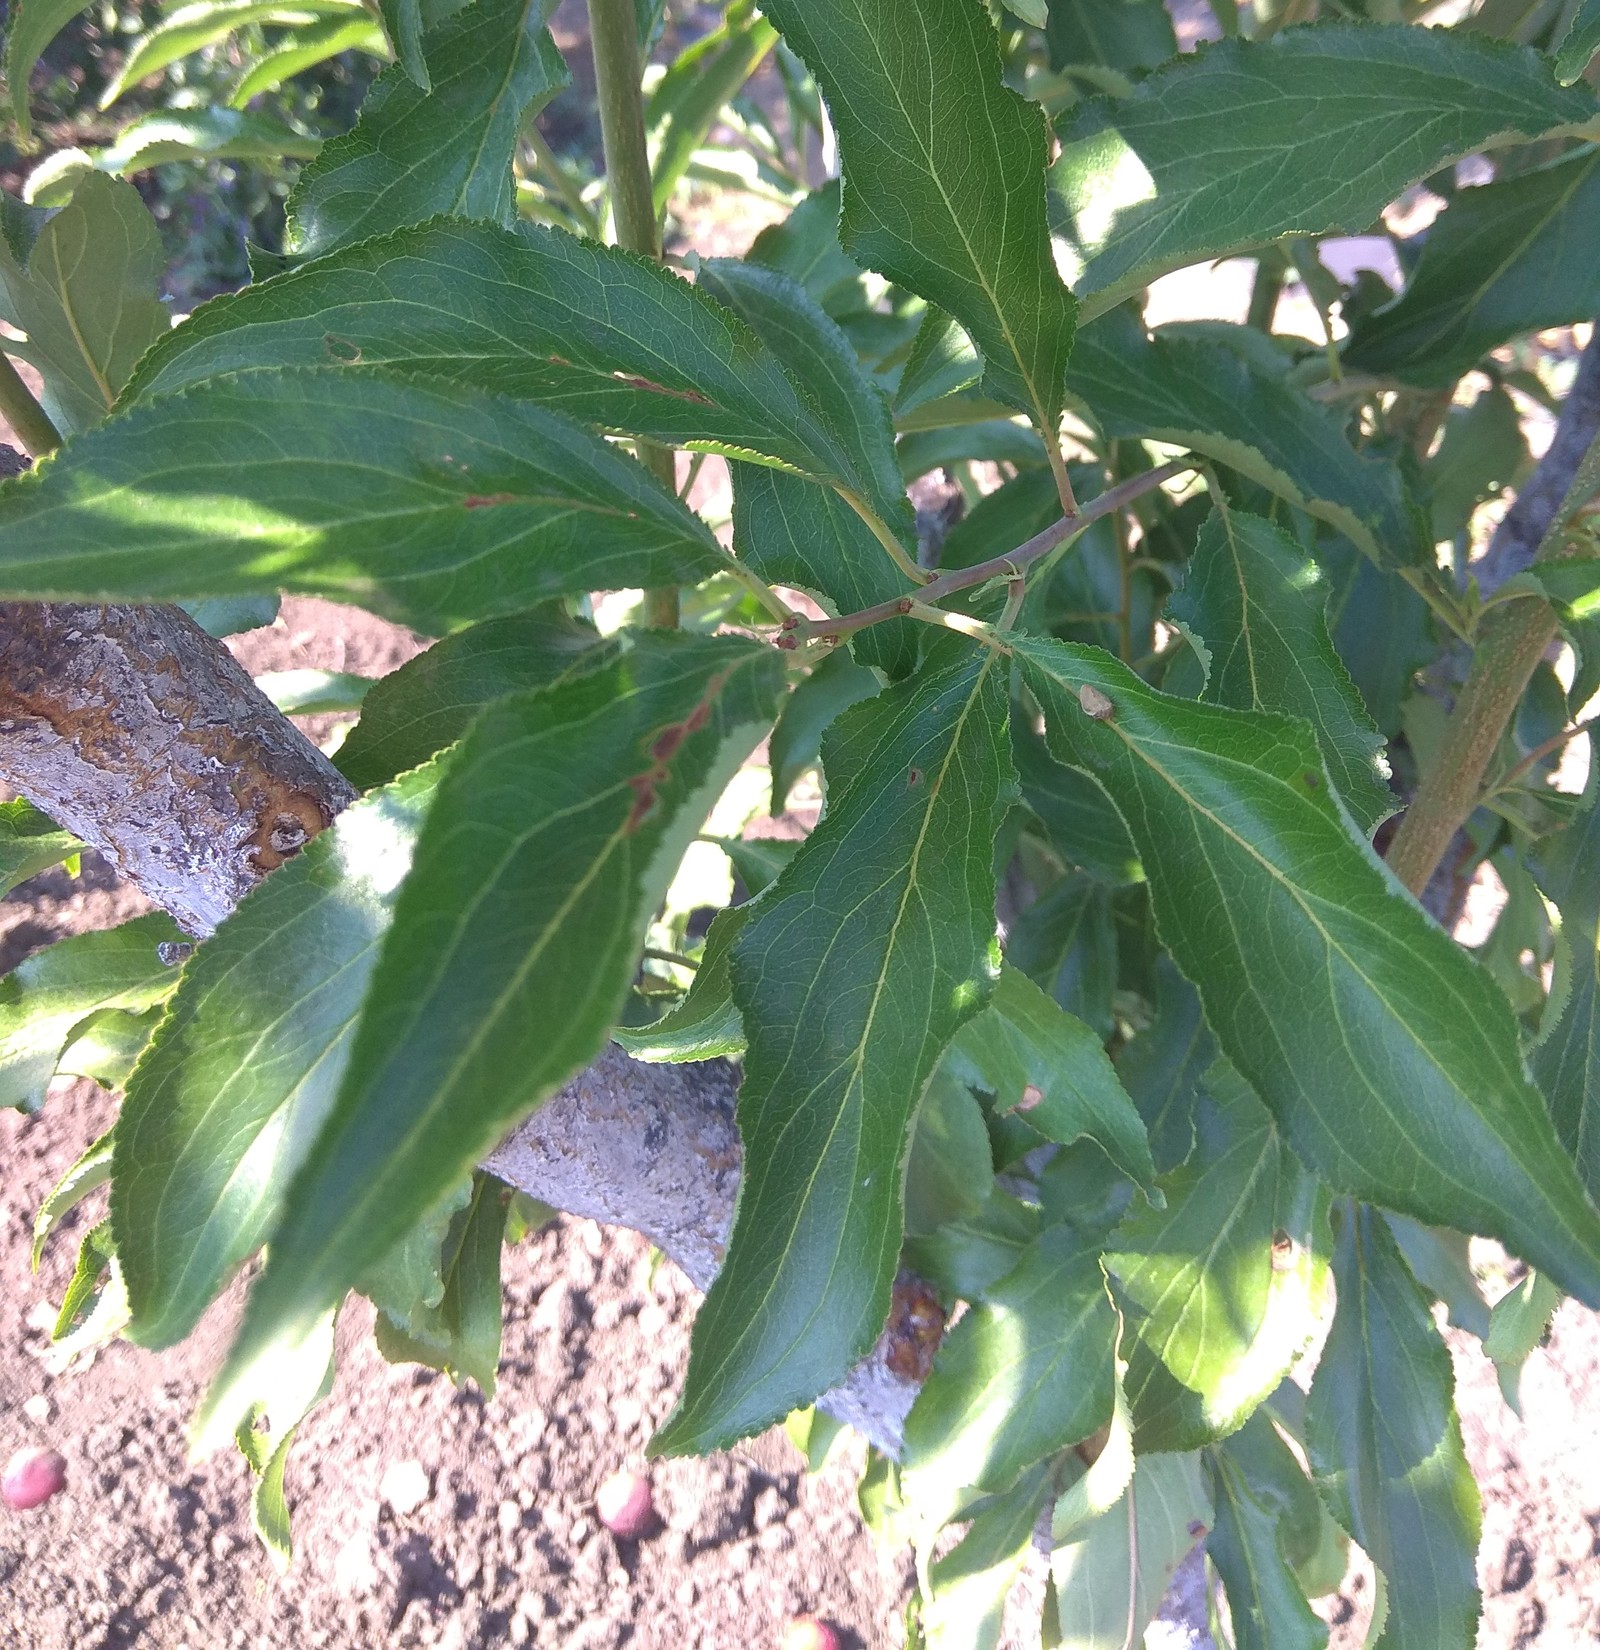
(1265, 291)
(24, 414)
(614, 35)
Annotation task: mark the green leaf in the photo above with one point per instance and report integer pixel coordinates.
(1019, 1377)
(796, 743)
(403, 24)
(1197, 392)
(967, 1256)
(556, 829)
(412, 153)
(426, 503)
(1129, 35)
(1224, 1288)
(92, 1170)
(29, 843)
(1502, 259)
(45, 997)
(265, 1438)
(308, 47)
(314, 692)
(699, 82)
(1519, 1323)
(186, 28)
(1566, 1059)
(1066, 941)
(1250, 1538)
(87, 299)
(228, 615)
(942, 361)
(459, 1332)
(944, 177)
(247, 1063)
(705, 1025)
(608, 338)
(1162, 1067)
(1027, 1052)
(1381, 628)
(1325, 126)
(1582, 41)
(858, 966)
(1080, 821)
(949, 1172)
(1404, 1082)
(756, 860)
(1260, 606)
(107, 1046)
(1483, 452)
(970, 1584)
(429, 702)
(791, 531)
(1385, 1444)
(1111, 1576)
(821, 360)
(813, 1432)
(30, 26)
(805, 246)
(1440, 1260)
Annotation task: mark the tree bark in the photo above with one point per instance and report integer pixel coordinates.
(137, 731)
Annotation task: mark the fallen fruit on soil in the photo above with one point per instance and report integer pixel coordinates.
(625, 1505)
(31, 1477)
(807, 1633)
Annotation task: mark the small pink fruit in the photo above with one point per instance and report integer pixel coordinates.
(808, 1633)
(31, 1477)
(625, 1505)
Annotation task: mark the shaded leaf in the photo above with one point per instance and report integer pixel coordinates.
(600, 334)
(29, 843)
(1381, 628)
(1019, 1377)
(1128, 35)
(943, 177)
(1566, 1059)
(46, 996)
(949, 1174)
(87, 299)
(1325, 126)
(30, 26)
(791, 531)
(796, 743)
(1385, 1444)
(425, 502)
(1404, 1082)
(967, 1256)
(1441, 1261)
(1224, 1288)
(1197, 392)
(1162, 1067)
(1066, 941)
(1581, 42)
(1248, 1543)
(971, 1583)
(1078, 817)
(1029, 1054)
(881, 931)
(1501, 259)
(430, 701)
(1111, 1576)
(706, 1024)
(1260, 607)
(556, 829)
(246, 1065)
(413, 153)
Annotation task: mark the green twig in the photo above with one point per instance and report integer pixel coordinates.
(31, 422)
(614, 34)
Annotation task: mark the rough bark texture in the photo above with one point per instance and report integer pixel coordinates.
(133, 729)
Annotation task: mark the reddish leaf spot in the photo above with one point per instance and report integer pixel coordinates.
(1031, 1096)
(654, 388)
(341, 349)
(914, 778)
(483, 501)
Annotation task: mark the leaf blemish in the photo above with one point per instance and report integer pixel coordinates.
(484, 501)
(914, 778)
(341, 349)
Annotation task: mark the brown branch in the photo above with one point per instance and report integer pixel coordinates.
(796, 630)
(133, 728)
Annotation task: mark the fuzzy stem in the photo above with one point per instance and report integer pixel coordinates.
(24, 414)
